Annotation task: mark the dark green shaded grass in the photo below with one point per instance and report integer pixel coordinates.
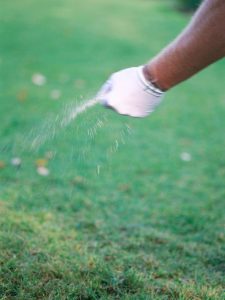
(126, 221)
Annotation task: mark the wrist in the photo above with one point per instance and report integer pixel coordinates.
(148, 84)
(151, 75)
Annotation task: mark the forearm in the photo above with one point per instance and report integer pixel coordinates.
(199, 45)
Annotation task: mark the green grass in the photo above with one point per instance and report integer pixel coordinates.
(135, 222)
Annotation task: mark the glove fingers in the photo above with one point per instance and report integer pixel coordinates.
(103, 93)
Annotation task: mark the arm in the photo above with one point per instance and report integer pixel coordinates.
(199, 45)
(137, 91)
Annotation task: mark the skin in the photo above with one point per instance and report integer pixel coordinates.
(200, 44)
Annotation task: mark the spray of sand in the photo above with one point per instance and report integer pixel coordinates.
(77, 111)
(51, 127)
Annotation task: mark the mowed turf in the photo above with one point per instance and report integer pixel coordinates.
(121, 214)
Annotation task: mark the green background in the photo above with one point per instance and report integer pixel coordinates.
(189, 4)
(121, 215)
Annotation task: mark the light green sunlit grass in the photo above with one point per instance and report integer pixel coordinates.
(120, 216)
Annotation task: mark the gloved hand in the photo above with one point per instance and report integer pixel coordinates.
(129, 93)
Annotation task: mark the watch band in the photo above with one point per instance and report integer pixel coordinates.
(149, 86)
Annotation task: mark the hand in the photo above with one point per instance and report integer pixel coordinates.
(129, 93)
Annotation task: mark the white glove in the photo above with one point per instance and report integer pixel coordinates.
(129, 93)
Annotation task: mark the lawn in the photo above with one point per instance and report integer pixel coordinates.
(131, 208)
